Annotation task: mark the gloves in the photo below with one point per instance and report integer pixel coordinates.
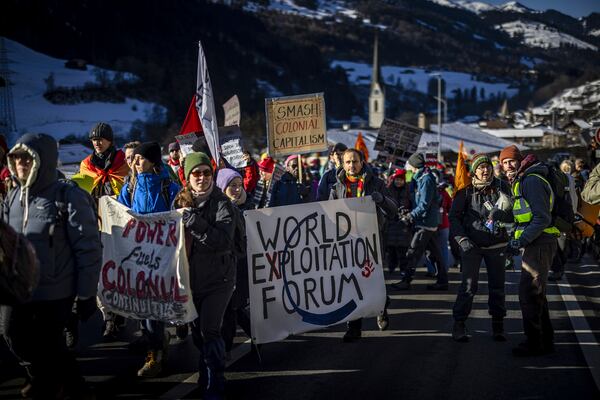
(86, 307)
(377, 197)
(466, 245)
(514, 247)
(496, 214)
(194, 221)
(407, 219)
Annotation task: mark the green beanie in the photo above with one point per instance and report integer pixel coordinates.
(479, 159)
(192, 160)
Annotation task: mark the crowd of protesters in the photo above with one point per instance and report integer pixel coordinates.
(424, 218)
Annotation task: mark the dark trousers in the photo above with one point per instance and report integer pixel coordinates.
(537, 259)
(235, 314)
(396, 258)
(36, 336)
(495, 260)
(425, 240)
(206, 334)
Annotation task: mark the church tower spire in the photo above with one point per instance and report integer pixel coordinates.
(377, 95)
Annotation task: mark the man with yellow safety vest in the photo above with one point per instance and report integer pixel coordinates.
(535, 238)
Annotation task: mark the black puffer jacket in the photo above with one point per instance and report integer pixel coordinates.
(398, 234)
(468, 214)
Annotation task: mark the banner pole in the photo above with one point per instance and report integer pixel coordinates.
(300, 168)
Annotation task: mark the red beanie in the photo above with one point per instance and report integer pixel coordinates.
(267, 165)
(512, 152)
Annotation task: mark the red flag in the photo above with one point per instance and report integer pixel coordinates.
(361, 146)
(192, 121)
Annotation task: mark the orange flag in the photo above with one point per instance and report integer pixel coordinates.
(461, 175)
(361, 146)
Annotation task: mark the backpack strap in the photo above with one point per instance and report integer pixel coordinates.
(165, 184)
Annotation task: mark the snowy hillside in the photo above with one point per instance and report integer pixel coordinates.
(33, 113)
(479, 7)
(586, 96)
(418, 78)
(535, 34)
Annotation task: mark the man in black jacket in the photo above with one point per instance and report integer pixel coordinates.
(329, 178)
(356, 179)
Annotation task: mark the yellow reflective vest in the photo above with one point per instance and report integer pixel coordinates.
(522, 212)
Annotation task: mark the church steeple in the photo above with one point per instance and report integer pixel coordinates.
(377, 95)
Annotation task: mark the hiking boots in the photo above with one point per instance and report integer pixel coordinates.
(402, 285)
(383, 321)
(153, 365)
(498, 331)
(459, 332)
(182, 331)
(110, 331)
(352, 335)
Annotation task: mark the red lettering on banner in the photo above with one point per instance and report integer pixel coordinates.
(172, 235)
(130, 225)
(108, 284)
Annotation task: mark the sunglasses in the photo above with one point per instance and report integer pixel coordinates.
(197, 174)
(21, 156)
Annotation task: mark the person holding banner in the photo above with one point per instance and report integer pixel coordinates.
(150, 190)
(210, 221)
(231, 184)
(356, 179)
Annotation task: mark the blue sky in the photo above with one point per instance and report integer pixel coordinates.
(576, 8)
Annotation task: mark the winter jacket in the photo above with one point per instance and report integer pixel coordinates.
(251, 176)
(398, 234)
(468, 214)
(387, 210)
(211, 252)
(287, 191)
(147, 194)
(591, 190)
(425, 200)
(327, 181)
(444, 208)
(537, 193)
(70, 258)
(108, 178)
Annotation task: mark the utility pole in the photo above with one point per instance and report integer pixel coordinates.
(7, 109)
(439, 116)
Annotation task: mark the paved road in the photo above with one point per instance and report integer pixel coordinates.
(414, 359)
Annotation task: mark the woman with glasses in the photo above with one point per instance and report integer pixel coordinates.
(150, 190)
(210, 221)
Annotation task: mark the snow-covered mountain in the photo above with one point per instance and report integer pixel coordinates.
(33, 113)
(536, 34)
(479, 7)
(586, 96)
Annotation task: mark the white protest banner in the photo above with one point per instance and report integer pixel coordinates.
(205, 105)
(313, 265)
(186, 142)
(296, 124)
(231, 108)
(145, 271)
(396, 142)
(230, 139)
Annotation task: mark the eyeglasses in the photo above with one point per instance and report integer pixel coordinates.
(197, 174)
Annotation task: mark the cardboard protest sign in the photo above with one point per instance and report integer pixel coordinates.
(296, 124)
(231, 109)
(145, 271)
(396, 142)
(186, 142)
(230, 140)
(313, 265)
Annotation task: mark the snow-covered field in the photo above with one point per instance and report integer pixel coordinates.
(418, 78)
(479, 6)
(536, 34)
(33, 113)
(575, 98)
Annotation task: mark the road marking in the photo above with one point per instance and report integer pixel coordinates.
(587, 341)
(188, 385)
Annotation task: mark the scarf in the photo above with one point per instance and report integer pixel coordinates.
(354, 181)
(201, 197)
(479, 184)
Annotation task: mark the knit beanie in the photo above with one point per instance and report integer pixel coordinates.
(193, 160)
(417, 160)
(511, 152)
(290, 158)
(150, 151)
(267, 165)
(479, 159)
(102, 130)
(225, 176)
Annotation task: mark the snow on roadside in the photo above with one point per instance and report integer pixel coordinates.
(535, 34)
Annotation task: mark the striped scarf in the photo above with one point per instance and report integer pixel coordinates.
(354, 181)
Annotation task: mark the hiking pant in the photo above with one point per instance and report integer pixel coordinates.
(537, 259)
(206, 334)
(495, 260)
(35, 336)
(422, 240)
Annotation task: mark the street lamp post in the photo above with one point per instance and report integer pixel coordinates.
(439, 115)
